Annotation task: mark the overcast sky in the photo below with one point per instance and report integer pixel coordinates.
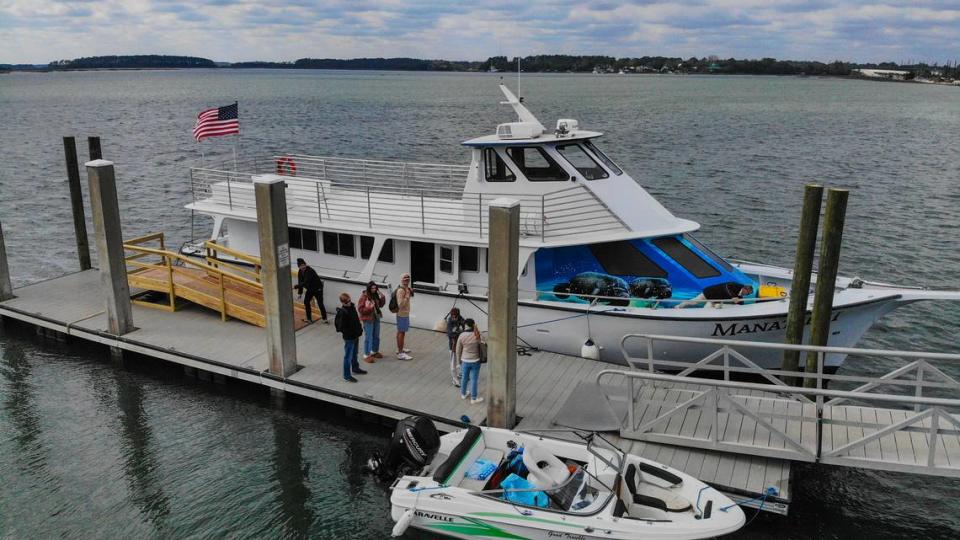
(38, 31)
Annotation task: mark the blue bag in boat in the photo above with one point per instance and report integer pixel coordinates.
(481, 469)
(528, 498)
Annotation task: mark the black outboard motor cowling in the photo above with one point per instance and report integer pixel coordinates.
(414, 443)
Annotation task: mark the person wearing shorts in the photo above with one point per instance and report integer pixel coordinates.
(404, 295)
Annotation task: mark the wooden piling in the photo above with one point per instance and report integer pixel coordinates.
(76, 202)
(802, 267)
(275, 273)
(504, 238)
(833, 221)
(93, 146)
(6, 286)
(109, 238)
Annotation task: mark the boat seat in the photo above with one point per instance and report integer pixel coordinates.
(546, 469)
(644, 493)
(451, 471)
(489, 454)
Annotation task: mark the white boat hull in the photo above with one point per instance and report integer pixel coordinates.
(563, 328)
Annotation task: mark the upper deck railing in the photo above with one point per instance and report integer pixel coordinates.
(418, 197)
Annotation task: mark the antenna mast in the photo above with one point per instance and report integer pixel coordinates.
(519, 96)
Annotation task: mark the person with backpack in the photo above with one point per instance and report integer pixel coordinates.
(455, 324)
(369, 306)
(347, 322)
(400, 304)
(469, 353)
(307, 279)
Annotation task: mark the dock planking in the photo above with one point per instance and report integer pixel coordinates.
(195, 336)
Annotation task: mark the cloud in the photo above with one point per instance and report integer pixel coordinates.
(231, 30)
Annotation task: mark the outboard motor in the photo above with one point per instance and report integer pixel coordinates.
(414, 443)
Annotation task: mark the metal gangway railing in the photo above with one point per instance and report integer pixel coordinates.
(905, 419)
(421, 197)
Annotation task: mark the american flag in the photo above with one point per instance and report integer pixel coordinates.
(216, 122)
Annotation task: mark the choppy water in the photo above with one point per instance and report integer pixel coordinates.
(91, 450)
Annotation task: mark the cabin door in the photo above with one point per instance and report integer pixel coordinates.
(422, 262)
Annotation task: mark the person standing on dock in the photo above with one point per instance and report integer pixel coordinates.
(307, 279)
(403, 296)
(469, 353)
(455, 324)
(370, 304)
(347, 322)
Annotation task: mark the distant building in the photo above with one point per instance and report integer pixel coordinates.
(889, 74)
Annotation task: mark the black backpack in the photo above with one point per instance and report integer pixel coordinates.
(393, 306)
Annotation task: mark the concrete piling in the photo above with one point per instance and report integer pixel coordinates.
(275, 273)
(504, 237)
(6, 286)
(76, 202)
(109, 238)
(802, 267)
(833, 221)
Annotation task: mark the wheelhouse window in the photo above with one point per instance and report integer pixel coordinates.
(709, 253)
(603, 157)
(339, 244)
(295, 239)
(366, 247)
(496, 169)
(536, 164)
(624, 259)
(469, 259)
(575, 154)
(686, 257)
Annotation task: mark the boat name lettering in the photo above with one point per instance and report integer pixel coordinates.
(733, 329)
(435, 517)
(554, 534)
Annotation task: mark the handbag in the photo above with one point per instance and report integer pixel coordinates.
(483, 352)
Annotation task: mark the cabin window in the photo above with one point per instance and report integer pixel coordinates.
(686, 257)
(496, 169)
(469, 259)
(709, 253)
(386, 253)
(536, 164)
(446, 259)
(338, 244)
(624, 259)
(295, 241)
(603, 157)
(590, 169)
(309, 238)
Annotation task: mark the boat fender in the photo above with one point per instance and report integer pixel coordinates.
(590, 350)
(286, 166)
(402, 524)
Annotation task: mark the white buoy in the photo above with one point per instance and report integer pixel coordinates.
(590, 350)
(402, 523)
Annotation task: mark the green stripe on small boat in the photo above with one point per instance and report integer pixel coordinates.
(525, 518)
(475, 528)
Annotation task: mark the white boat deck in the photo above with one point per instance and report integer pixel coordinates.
(73, 305)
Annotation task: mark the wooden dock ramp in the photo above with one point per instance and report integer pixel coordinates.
(233, 290)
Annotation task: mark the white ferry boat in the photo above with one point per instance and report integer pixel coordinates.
(600, 257)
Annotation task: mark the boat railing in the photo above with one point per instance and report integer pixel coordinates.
(654, 303)
(406, 197)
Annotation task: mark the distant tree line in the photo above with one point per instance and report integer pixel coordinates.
(140, 61)
(553, 63)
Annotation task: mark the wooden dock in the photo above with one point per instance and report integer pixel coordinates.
(73, 305)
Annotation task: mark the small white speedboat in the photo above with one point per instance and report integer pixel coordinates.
(497, 483)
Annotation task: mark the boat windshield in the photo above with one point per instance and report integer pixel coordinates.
(603, 157)
(606, 452)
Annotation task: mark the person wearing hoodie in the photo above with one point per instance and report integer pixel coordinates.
(347, 322)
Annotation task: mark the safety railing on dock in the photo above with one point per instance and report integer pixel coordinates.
(419, 197)
(904, 419)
